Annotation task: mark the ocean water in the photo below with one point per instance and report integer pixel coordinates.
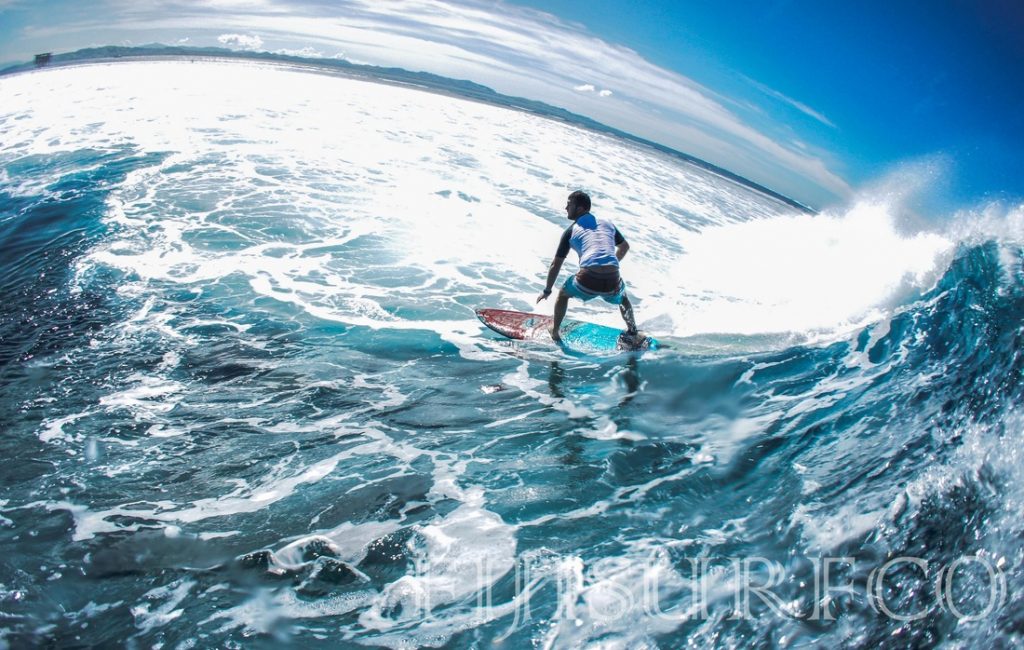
(246, 401)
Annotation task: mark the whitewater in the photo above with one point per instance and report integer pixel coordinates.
(246, 400)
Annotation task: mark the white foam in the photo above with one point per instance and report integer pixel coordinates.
(148, 397)
(521, 379)
(448, 566)
(800, 273)
(825, 529)
(53, 429)
(243, 499)
(351, 540)
(147, 617)
(616, 602)
(480, 214)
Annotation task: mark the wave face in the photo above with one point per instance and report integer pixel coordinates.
(246, 400)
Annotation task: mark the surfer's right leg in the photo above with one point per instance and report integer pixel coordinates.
(561, 305)
(626, 309)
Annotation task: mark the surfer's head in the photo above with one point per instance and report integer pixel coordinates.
(577, 205)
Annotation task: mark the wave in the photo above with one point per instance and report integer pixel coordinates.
(45, 228)
(899, 442)
(259, 382)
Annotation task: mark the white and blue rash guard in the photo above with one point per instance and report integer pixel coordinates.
(593, 239)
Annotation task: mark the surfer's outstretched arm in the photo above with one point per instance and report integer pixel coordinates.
(553, 270)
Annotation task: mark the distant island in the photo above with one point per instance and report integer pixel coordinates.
(425, 80)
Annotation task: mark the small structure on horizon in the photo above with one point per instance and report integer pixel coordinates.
(43, 59)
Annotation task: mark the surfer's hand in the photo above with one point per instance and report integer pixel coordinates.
(544, 295)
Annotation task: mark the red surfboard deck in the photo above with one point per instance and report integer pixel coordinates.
(516, 324)
(576, 335)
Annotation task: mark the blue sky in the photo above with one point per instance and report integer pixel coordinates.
(894, 82)
(813, 99)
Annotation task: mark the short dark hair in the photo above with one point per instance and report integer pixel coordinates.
(581, 198)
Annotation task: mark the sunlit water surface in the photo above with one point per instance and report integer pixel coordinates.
(246, 400)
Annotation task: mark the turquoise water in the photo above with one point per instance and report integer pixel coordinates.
(247, 401)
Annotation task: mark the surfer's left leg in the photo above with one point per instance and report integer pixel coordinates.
(561, 305)
(626, 309)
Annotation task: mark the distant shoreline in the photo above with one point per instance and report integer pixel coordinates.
(460, 89)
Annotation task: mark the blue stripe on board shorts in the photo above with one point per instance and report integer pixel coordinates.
(576, 290)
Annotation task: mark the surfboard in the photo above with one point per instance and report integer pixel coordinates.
(577, 336)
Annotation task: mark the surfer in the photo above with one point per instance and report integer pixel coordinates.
(600, 247)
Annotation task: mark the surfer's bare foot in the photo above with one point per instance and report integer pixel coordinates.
(554, 336)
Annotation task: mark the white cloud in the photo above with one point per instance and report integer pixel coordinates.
(800, 106)
(242, 41)
(590, 88)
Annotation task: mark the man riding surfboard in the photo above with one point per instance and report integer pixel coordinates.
(600, 247)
